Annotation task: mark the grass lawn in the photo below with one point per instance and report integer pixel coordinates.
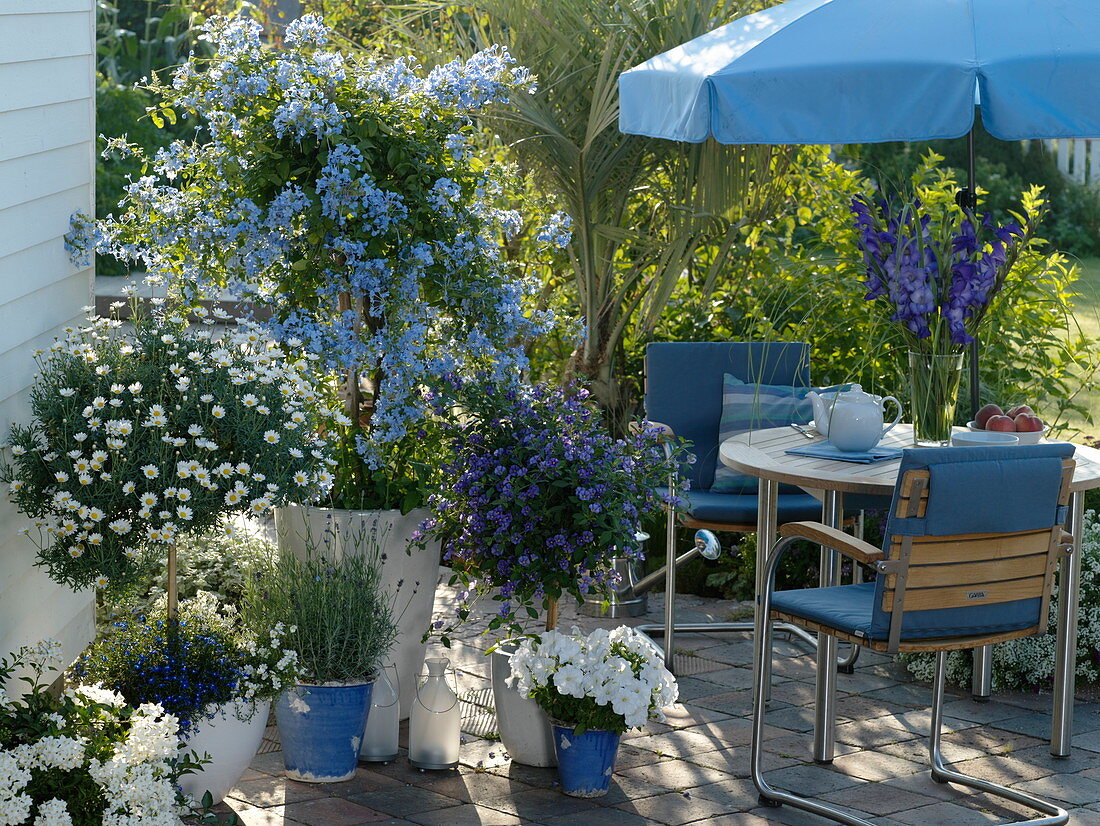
(1088, 316)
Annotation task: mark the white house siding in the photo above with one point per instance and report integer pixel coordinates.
(47, 132)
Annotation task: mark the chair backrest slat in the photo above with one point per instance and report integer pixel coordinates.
(965, 596)
(977, 580)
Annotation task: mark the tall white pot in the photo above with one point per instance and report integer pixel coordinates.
(335, 533)
(231, 743)
(524, 727)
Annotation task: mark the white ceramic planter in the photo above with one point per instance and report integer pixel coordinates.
(231, 743)
(339, 532)
(524, 727)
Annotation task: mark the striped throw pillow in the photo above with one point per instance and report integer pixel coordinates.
(756, 407)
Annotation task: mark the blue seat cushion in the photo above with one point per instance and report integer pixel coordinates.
(851, 608)
(740, 508)
(844, 607)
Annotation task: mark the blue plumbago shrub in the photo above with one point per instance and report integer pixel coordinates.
(191, 664)
(939, 267)
(1028, 663)
(137, 438)
(538, 496)
(345, 194)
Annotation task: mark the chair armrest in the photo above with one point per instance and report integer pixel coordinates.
(834, 538)
(664, 432)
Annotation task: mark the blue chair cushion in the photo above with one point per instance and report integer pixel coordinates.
(740, 509)
(684, 387)
(748, 407)
(844, 607)
(852, 608)
(977, 490)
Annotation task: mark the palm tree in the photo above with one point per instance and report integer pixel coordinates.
(646, 212)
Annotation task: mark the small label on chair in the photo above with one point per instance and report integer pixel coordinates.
(970, 595)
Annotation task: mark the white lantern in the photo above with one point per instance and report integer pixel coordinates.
(380, 737)
(435, 722)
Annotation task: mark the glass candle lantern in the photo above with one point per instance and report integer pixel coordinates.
(380, 737)
(435, 721)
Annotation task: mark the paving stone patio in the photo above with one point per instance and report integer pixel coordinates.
(695, 768)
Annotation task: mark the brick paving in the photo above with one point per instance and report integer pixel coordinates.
(694, 769)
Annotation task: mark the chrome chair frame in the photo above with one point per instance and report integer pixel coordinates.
(1052, 814)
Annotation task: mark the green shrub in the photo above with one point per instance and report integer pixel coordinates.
(799, 279)
(120, 110)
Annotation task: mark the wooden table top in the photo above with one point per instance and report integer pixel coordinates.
(763, 453)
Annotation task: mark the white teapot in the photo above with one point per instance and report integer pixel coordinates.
(852, 420)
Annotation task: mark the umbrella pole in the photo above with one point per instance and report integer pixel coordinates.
(968, 200)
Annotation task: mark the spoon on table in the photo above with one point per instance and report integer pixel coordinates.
(808, 432)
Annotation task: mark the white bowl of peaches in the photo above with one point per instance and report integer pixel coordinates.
(1020, 420)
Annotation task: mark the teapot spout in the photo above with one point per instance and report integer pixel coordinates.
(821, 412)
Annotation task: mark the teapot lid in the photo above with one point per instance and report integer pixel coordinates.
(855, 394)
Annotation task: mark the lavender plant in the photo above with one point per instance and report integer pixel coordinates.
(345, 195)
(538, 496)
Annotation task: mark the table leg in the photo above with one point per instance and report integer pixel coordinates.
(981, 674)
(832, 514)
(767, 515)
(1069, 581)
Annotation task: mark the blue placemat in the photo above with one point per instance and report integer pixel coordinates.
(826, 450)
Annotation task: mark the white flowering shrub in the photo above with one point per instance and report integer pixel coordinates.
(1028, 663)
(611, 680)
(84, 758)
(139, 438)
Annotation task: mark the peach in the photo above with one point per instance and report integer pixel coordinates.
(986, 413)
(1018, 410)
(1002, 423)
(1026, 423)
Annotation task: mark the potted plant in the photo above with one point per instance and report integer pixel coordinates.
(83, 756)
(139, 437)
(594, 687)
(342, 624)
(538, 499)
(345, 195)
(216, 678)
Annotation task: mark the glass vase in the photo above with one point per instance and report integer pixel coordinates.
(934, 390)
(435, 722)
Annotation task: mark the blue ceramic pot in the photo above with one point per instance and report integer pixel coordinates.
(585, 761)
(320, 727)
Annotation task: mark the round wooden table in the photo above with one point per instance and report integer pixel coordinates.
(762, 453)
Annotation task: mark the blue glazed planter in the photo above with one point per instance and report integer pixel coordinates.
(585, 761)
(320, 727)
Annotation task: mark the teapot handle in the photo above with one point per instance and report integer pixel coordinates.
(897, 418)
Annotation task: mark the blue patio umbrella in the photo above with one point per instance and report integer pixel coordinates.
(866, 71)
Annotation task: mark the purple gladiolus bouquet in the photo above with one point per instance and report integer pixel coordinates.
(539, 496)
(938, 267)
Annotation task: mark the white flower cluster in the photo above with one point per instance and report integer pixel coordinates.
(225, 428)
(268, 667)
(621, 668)
(135, 779)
